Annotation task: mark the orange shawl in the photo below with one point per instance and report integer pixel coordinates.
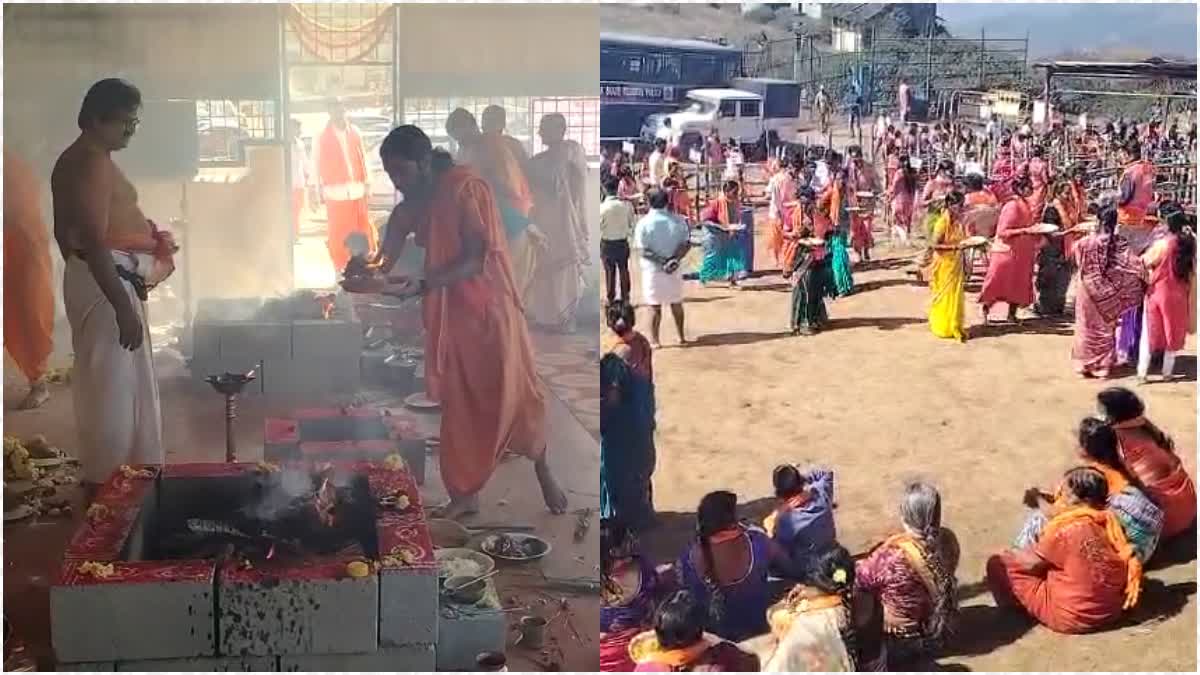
(28, 289)
(645, 649)
(493, 159)
(793, 502)
(1116, 536)
(912, 553)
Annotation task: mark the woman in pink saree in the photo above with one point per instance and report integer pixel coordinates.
(1010, 267)
(1110, 282)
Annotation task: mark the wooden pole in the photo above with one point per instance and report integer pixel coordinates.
(982, 52)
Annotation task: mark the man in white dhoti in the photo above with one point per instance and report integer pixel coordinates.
(661, 239)
(558, 179)
(113, 255)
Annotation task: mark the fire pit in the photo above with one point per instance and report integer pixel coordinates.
(307, 342)
(250, 567)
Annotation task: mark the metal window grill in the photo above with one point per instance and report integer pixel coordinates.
(323, 33)
(583, 120)
(430, 115)
(224, 125)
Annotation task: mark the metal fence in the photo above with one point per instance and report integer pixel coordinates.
(930, 64)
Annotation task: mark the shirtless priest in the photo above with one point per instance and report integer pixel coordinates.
(113, 255)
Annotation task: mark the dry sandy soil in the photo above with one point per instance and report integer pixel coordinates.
(880, 401)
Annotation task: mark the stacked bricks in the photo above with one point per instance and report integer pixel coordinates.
(302, 356)
(193, 615)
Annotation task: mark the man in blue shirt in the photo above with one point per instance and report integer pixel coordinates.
(662, 239)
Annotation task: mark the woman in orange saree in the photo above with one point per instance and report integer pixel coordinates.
(1082, 573)
(478, 354)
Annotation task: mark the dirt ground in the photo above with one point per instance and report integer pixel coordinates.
(880, 401)
(193, 431)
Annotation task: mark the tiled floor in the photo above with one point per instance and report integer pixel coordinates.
(568, 366)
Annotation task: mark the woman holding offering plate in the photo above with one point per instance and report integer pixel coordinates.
(722, 250)
(947, 272)
(1010, 268)
(478, 355)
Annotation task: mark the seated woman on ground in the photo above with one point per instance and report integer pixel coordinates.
(802, 522)
(678, 642)
(1082, 573)
(825, 625)
(1139, 516)
(1149, 456)
(627, 409)
(628, 583)
(912, 574)
(726, 567)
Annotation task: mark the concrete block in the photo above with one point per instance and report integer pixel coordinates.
(465, 632)
(332, 373)
(224, 310)
(134, 619)
(406, 659)
(408, 607)
(319, 339)
(206, 341)
(269, 341)
(311, 610)
(219, 664)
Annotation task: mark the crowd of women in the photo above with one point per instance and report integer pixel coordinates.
(1127, 258)
(783, 595)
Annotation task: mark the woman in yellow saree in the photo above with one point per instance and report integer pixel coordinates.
(947, 272)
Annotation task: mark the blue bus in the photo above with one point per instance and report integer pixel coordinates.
(644, 75)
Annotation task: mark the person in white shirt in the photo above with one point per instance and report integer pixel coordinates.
(300, 171)
(658, 163)
(734, 160)
(616, 227)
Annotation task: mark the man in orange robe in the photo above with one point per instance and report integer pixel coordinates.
(478, 354)
(345, 187)
(28, 293)
(501, 161)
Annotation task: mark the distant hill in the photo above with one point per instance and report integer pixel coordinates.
(1083, 29)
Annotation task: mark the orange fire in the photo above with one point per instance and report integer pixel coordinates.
(326, 502)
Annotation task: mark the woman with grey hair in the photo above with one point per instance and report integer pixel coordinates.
(912, 574)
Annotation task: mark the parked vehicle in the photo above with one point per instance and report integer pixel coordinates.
(640, 76)
(744, 115)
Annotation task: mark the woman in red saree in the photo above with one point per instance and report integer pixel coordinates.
(1010, 265)
(1171, 262)
(1082, 573)
(1109, 283)
(478, 355)
(1149, 456)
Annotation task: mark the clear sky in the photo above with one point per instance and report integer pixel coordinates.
(1158, 28)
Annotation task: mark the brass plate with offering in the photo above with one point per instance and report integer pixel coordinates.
(1044, 228)
(420, 401)
(811, 242)
(865, 194)
(515, 547)
(973, 242)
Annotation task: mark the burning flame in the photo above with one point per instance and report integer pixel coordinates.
(326, 502)
(327, 305)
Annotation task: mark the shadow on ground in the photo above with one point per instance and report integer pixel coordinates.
(1025, 327)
